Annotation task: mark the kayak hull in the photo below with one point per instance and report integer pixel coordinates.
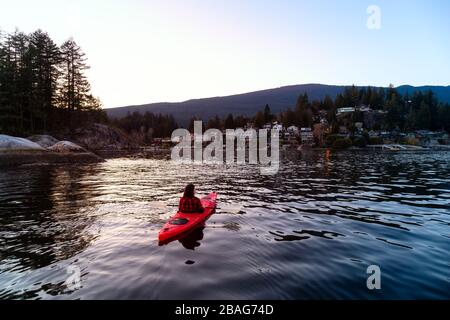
(182, 223)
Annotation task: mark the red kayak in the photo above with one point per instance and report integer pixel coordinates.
(183, 223)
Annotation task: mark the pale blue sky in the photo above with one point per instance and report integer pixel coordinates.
(173, 50)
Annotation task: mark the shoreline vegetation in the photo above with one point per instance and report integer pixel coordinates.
(46, 96)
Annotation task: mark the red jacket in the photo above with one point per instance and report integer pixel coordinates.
(190, 205)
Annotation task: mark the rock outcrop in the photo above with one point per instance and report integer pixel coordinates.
(9, 143)
(66, 146)
(43, 140)
(18, 151)
(100, 137)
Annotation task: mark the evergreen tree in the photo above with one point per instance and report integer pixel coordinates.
(75, 88)
(339, 101)
(304, 115)
(45, 60)
(42, 86)
(214, 123)
(444, 117)
(424, 118)
(17, 86)
(268, 117)
(288, 118)
(229, 122)
(259, 119)
(328, 104)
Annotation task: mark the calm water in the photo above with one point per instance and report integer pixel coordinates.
(309, 232)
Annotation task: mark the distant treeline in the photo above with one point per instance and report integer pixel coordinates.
(44, 89)
(406, 113)
(145, 127)
(419, 111)
(43, 86)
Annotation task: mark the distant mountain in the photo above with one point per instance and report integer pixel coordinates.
(441, 92)
(248, 104)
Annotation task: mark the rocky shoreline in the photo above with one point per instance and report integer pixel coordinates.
(88, 144)
(42, 150)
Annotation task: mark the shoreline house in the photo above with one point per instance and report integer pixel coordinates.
(277, 126)
(292, 135)
(307, 136)
(341, 111)
(293, 130)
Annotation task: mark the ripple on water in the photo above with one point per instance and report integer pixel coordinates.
(310, 231)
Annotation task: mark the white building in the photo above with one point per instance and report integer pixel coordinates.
(293, 130)
(365, 109)
(345, 110)
(307, 136)
(278, 127)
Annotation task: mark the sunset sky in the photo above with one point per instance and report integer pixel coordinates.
(158, 50)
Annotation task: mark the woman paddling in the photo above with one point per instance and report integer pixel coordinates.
(190, 203)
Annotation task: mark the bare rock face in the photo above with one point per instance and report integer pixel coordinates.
(66, 146)
(16, 151)
(44, 141)
(9, 143)
(99, 137)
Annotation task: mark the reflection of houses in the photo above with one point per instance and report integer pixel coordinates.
(429, 138)
(307, 136)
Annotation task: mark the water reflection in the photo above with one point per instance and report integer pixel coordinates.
(41, 218)
(308, 232)
(192, 240)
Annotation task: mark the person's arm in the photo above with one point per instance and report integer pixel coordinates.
(200, 206)
(180, 205)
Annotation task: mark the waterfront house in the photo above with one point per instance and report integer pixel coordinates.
(249, 125)
(293, 130)
(307, 136)
(365, 109)
(277, 126)
(343, 130)
(359, 127)
(341, 111)
(374, 134)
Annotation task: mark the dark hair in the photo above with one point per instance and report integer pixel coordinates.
(189, 191)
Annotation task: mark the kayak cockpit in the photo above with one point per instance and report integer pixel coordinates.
(179, 221)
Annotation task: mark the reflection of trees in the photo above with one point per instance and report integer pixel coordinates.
(40, 217)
